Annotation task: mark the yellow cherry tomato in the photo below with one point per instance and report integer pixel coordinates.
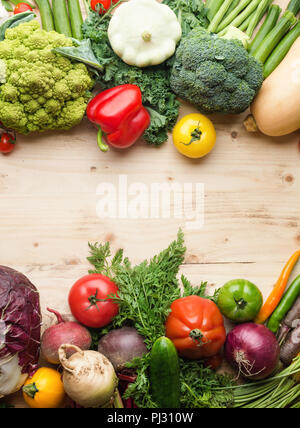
(194, 136)
(45, 390)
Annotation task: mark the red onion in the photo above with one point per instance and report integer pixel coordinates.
(253, 350)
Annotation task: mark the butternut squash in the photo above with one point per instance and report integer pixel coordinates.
(276, 108)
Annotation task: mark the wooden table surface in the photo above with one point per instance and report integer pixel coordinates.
(48, 200)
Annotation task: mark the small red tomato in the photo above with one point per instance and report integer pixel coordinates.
(102, 6)
(89, 301)
(22, 7)
(7, 143)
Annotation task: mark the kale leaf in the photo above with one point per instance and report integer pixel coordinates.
(153, 81)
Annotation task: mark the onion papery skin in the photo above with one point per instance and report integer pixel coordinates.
(252, 350)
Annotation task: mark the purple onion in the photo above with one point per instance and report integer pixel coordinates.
(253, 350)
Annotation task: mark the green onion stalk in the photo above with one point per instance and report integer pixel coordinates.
(279, 391)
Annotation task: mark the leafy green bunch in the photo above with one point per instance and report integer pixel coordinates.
(146, 292)
(153, 81)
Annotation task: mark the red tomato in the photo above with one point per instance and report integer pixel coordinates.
(106, 4)
(89, 302)
(22, 7)
(7, 143)
(196, 327)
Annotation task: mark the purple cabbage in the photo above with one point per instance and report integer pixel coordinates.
(20, 319)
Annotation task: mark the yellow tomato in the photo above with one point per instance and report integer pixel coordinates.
(45, 390)
(194, 136)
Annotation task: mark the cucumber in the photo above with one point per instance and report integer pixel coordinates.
(165, 374)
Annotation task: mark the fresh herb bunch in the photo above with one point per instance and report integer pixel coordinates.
(146, 292)
(153, 81)
(201, 387)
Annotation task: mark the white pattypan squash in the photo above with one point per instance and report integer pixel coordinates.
(144, 32)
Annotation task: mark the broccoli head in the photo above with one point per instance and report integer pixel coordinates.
(40, 90)
(215, 74)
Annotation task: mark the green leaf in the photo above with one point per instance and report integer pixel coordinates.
(81, 52)
(14, 21)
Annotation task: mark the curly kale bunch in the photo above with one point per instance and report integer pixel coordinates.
(40, 90)
(215, 74)
(154, 82)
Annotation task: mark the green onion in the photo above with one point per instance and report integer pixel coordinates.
(281, 50)
(273, 38)
(276, 392)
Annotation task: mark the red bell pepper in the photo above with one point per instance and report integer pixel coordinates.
(120, 114)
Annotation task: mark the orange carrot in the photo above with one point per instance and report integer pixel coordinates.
(278, 290)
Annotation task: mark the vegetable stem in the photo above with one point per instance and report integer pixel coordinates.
(268, 24)
(242, 16)
(75, 18)
(281, 50)
(227, 21)
(118, 403)
(257, 16)
(287, 20)
(46, 14)
(231, 8)
(220, 15)
(213, 7)
(294, 6)
(102, 146)
(87, 6)
(244, 25)
(61, 17)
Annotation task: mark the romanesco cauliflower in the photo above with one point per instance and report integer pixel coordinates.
(42, 90)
